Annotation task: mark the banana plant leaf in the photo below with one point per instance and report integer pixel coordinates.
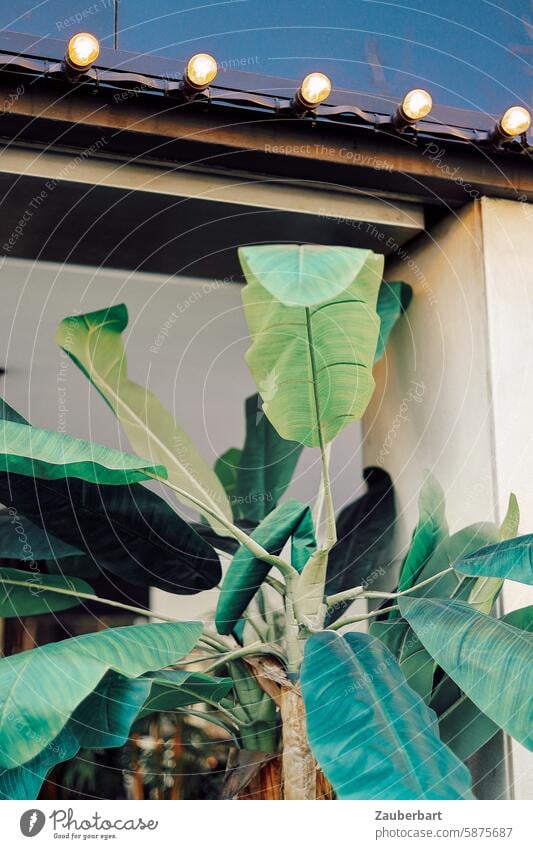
(24, 782)
(393, 299)
(101, 721)
(365, 535)
(42, 689)
(311, 312)
(16, 601)
(373, 737)
(229, 545)
(246, 573)
(21, 539)
(303, 541)
(94, 342)
(45, 454)
(127, 530)
(259, 474)
(462, 726)
(226, 471)
(511, 559)
(431, 529)
(488, 659)
(486, 590)
(255, 710)
(176, 688)
(416, 662)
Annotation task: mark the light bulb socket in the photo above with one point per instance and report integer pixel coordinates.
(300, 107)
(401, 122)
(189, 90)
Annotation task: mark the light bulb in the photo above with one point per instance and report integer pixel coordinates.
(515, 121)
(416, 105)
(315, 88)
(201, 71)
(83, 49)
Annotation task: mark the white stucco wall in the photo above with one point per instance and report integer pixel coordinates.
(455, 392)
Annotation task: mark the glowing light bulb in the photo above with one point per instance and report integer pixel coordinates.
(83, 49)
(417, 104)
(201, 70)
(315, 88)
(515, 121)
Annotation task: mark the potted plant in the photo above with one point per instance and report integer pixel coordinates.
(314, 708)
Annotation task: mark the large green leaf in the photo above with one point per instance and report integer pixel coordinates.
(416, 662)
(490, 660)
(41, 689)
(365, 534)
(246, 573)
(486, 590)
(21, 539)
(260, 473)
(431, 529)
(371, 735)
(303, 542)
(24, 782)
(101, 721)
(45, 454)
(311, 313)
(511, 559)
(177, 688)
(127, 530)
(393, 300)
(94, 343)
(462, 726)
(18, 601)
(226, 471)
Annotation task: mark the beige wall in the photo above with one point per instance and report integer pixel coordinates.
(455, 392)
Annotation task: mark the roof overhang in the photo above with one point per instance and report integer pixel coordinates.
(140, 150)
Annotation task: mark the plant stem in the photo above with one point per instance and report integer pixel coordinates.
(253, 648)
(213, 643)
(257, 550)
(349, 620)
(346, 595)
(275, 584)
(256, 625)
(331, 525)
(89, 597)
(360, 592)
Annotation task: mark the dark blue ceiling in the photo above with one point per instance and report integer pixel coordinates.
(470, 53)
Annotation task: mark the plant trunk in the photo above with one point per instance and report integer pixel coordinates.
(299, 770)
